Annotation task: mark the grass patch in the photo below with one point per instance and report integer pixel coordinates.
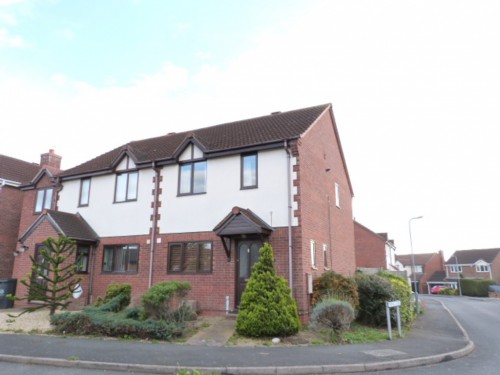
(361, 334)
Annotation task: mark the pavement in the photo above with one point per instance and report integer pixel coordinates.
(436, 337)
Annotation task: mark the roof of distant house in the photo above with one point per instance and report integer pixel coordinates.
(472, 256)
(420, 259)
(16, 170)
(244, 134)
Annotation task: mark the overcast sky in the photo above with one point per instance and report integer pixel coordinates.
(415, 89)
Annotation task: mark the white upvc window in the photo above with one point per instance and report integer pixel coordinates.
(455, 268)
(313, 254)
(337, 195)
(482, 268)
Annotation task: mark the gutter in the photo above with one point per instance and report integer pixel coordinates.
(289, 193)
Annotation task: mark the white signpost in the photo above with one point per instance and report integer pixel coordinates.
(388, 306)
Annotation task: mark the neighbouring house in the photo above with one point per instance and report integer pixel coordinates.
(425, 267)
(374, 250)
(474, 264)
(14, 174)
(196, 206)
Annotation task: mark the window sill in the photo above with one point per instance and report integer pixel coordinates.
(314, 267)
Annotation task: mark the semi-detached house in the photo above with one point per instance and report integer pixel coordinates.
(196, 206)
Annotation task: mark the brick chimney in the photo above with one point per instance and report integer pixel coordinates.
(51, 161)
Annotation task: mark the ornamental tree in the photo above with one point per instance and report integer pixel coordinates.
(53, 278)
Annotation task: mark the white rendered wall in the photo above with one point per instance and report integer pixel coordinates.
(110, 219)
(194, 213)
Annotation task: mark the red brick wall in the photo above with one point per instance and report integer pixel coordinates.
(29, 198)
(11, 200)
(495, 269)
(319, 167)
(370, 248)
(435, 263)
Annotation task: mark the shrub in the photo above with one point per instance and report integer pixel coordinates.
(475, 288)
(334, 314)
(267, 307)
(403, 293)
(112, 325)
(114, 290)
(158, 299)
(374, 291)
(449, 292)
(332, 284)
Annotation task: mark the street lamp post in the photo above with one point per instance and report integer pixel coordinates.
(458, 277)
(414, 276)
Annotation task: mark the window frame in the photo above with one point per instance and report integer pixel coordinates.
(326, 257)
(242, 171)
(127, 186)
(120, 247)
(482, 268)
(192, 164)
(79, 248)
(314, 262)
(44, 200)
(337, 195)
(87, 195)
(182, 264)
(455, 269)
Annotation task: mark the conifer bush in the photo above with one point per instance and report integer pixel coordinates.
(267, 308)
(403, 292)
(117, 289)
(158, 299)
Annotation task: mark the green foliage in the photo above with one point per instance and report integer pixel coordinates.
(116, 289)
(334, 314)
(374, 291)
(332, 284)
(95, 322)
(267, 307)
(403, 293)
(449, 292)
(53, 277)
(158, 299)
(475, 288)
(115, 304)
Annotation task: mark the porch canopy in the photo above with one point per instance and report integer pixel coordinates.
(241, 222)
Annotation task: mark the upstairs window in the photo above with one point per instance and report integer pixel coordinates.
(249, 171)
(313, 255)
(482, 268)
(121, 259)
(455, 269)
(190, 257)
(84, 192)
(126, 186)
(43, 200)
(326, 258)
(337, 195)
(193, 178)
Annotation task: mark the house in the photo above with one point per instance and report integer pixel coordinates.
(374, 250)
(425, 267)
(14, 174)
(196, 206)
(474, 264)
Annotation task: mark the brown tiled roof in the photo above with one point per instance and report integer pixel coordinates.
(438, 276)
(420, 259)
(17, 170)
(219, 138)
(242, 221)
(472, 256)
(70, 225)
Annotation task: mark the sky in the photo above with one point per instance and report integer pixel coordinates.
(414, 85)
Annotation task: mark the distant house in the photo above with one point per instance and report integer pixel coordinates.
(374, 250)
(474, 264)
(425, 266)
(15, 174)
(196, 206)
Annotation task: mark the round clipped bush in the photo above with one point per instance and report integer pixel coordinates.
(334, 314)
(374, 291)
(337, 286)
(267, 308)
